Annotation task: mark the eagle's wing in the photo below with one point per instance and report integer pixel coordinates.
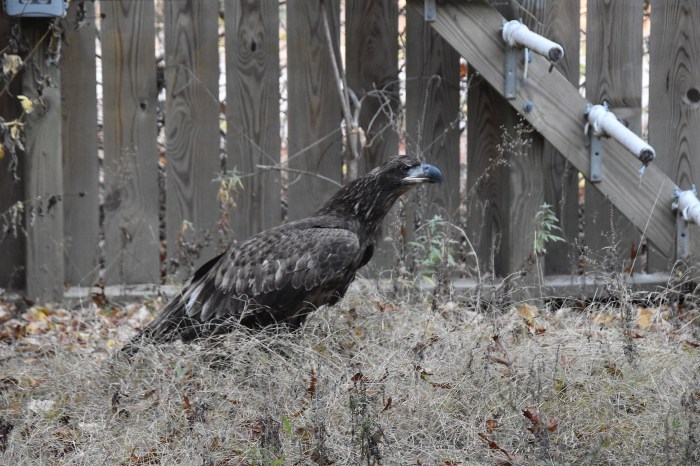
(274, 269)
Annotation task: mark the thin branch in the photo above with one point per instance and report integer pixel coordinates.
(300, 172)
(342, 86)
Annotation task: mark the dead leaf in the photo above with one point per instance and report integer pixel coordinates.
(311, 389)
(644, 317)
(491, 426)
(494, 446)
(387, 405)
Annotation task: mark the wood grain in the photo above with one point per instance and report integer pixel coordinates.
(560, 23)
(80, 163)
(372, 63)
(674, 94)
(192, 124)
(472, 28)
(613, 74)
(314, 112)
(506, 186)
(252, 112)
(12, 248)
(130, 97)
(43, 173)
(432, 112)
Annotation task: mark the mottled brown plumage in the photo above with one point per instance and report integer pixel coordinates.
(282, 274)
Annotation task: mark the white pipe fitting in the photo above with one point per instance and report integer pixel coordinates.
(604, 122)
(516, 33)
(688, 205)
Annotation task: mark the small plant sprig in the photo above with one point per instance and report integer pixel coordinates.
(433, 247)
(546, 229)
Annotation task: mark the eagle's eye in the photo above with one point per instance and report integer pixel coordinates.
(405, 168)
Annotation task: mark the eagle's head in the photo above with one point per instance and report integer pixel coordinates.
(405, 171)
(370, 197)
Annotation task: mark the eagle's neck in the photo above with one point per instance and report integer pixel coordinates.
(365, 200)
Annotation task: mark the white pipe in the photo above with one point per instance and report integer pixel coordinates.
(689, 205)
(604, 122)
(516, 33)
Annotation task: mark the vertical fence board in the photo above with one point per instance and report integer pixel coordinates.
(507, 186)
(613, 74)
(80, 164)
(44, 179)
(372, 65)
(561, 24)
(12, 248)
(486, 216)
(674, 93)
(314, 108)
(192, 128)
(252, 113)
(432, 107)
(131, 199)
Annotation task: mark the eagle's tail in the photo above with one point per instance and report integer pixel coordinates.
(172, 323)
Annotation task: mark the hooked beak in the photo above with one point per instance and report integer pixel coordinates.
(423, 173)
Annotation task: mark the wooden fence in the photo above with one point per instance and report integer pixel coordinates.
(150, 197)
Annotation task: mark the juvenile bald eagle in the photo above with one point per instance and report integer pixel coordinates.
(282, 274)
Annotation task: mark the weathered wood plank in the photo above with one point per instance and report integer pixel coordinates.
(314, 113)
(80, 163)
(504, 172)
(44, 171)
(432, 113)
(560, 23)
(12, 247)
(372, 64)
(487, 178)
(473, 29)
(674, 93)
(252, 112)
(192, 128)
(613, 74)
(130, 96)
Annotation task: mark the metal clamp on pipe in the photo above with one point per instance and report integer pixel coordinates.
(516, 35)
(602, 122)
(687, 207)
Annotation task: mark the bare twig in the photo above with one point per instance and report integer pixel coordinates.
(301, 172)
(344, 92)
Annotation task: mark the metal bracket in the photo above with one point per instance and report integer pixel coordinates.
(430, 12)
(596, 146)
(682, 237)
(510, 73)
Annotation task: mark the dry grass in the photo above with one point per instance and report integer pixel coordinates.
(372, 380)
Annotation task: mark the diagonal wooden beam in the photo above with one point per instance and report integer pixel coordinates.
(473, 29)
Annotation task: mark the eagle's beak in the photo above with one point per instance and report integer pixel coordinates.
(423, 173)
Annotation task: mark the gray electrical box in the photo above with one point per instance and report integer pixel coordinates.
(36, 8)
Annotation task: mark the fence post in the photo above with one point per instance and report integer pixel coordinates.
(614, 74)
(80, 182)
(130, 164)
(674, 94)
(43, 170)
(253, 112)
(505, 184)
(372, 64)
(314, 112)
(192, 129)
(561, 23)
(12, 248)
(432, 113)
